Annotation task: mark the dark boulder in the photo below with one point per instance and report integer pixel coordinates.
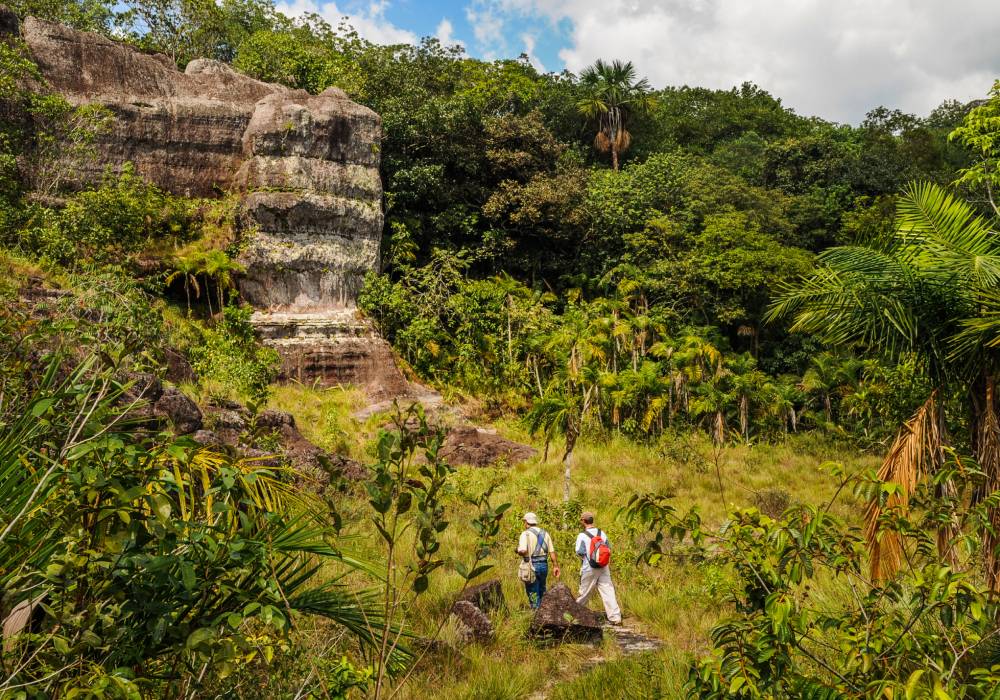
(473, 624)
(183, 413)
(274, 420)
(142, 385)
(142, 390)
(178, 370)
(207, 438)
(228, 419)
(347, 468)
(561, 619)
(9, 24)
(488, 596)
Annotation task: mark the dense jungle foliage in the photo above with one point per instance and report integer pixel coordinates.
(597, 261)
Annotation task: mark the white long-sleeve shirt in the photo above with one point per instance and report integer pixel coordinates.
(583, 545)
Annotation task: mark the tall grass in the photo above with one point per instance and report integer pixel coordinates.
(677, 602)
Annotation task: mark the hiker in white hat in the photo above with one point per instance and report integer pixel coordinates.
(535, 547)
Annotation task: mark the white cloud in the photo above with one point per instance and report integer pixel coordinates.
(444, 32)
(369, 20)
(836, 59)
(529, 50)
(487, 21)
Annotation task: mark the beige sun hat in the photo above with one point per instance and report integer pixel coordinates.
(530, 518)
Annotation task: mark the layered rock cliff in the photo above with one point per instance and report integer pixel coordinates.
(306, 167)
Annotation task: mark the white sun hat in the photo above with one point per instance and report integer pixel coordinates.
(531, 518)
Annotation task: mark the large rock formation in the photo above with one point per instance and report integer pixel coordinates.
(306, 167)
(561, 619)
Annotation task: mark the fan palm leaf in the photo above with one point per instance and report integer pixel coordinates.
(927, 289)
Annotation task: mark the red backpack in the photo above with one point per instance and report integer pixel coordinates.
(598, 551)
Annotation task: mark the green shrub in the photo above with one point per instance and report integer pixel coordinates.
(150, 565)
(230, 356)
(107, 224)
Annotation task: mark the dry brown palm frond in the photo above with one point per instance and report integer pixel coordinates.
(624, 140)
(987, 443)
(916, 453)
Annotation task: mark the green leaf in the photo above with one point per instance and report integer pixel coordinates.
(162, 507)
(385, 533)
(199, 637)
(61, 645)
(404, 503)
(41, 406)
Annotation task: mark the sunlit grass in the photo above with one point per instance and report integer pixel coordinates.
(677, 602)
(323, 416)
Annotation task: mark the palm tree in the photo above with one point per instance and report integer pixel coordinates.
(829, 375)
(512, 290)
(787, 395)
(245, 505)
(749, 386)
(218, 265)
(573, 390)
(612, 95)
(929, 287)
(187, 268)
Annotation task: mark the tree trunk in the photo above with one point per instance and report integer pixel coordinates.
(510, 335)
(986, 451)
(828, 407)
(208, 297)
(567, 468)
(567, 472)
(745, 417)
(614, 154)
(719, 433)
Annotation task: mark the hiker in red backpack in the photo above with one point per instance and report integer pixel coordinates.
(595, 552)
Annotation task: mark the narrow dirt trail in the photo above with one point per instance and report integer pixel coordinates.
(628, 640)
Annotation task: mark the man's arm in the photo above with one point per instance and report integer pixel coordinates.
(522, 544)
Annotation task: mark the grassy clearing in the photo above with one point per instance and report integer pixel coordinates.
(677, 602)
(324, 416)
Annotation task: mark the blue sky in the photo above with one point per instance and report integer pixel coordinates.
(832, 58)
(476, 28)
(485, 29)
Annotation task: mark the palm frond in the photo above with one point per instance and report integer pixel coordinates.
(916, 453)
(950, 241)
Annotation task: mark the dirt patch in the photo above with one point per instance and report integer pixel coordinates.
(481, 447)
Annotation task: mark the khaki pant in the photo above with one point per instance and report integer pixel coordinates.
(601, 580)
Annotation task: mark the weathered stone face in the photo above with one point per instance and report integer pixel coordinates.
(307, 164)
(306, 167)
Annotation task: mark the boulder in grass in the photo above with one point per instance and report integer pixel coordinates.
(178, 368)
(144, 389)
(183, 413)
(488, 596)
(480, 447)
(473, 624)
(561, 619)
(207, 438)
